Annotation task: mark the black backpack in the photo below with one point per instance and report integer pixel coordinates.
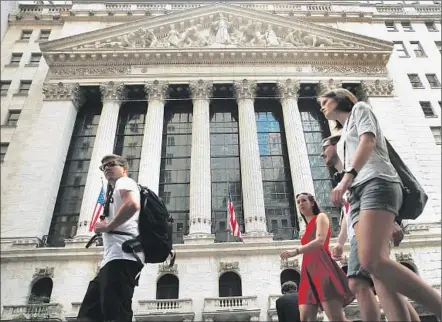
(155, 226)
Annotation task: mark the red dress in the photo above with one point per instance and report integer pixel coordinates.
(321, 278)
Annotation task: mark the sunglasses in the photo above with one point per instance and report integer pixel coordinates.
(110, 164)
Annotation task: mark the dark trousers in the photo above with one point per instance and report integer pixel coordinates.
(109, 294)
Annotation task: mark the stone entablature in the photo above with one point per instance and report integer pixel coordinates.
(306, 10)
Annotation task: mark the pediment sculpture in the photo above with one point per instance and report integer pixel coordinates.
(219, 32)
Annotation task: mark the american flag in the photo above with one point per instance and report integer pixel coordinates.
(97, 209)
(234, 226)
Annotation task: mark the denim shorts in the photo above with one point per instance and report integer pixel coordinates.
(354, 268)
(375, 194)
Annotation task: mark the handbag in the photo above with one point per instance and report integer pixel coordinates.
(414, 196)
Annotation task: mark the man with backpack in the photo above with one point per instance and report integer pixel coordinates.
(109, 295)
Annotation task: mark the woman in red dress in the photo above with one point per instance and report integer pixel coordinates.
(323, 283)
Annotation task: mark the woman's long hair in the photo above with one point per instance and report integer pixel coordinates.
(345, 100)
(315, 209)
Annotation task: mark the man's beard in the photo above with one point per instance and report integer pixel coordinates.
(331, 163)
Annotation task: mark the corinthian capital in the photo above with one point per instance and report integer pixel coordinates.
(288, 89)
(112, 91)
(63, 92)
(328, 85)
(245, 89)
(156, 90)
(201, 89)
(378, 87)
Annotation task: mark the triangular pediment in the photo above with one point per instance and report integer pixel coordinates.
(217, 27)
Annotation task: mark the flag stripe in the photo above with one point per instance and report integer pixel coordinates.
(97, 209)
(234, 226)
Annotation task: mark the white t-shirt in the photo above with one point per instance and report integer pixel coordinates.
(113, 243)
(363, 120)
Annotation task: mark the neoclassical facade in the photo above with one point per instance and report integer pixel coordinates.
(202, 100)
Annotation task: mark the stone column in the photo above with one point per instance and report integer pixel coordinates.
(328, 85)
(150, 163)
(200, 179)
(252, 189)
(32, 199)
(296, 146)
(111, 93)
(380, 95)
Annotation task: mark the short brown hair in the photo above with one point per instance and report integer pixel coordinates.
(289, 287)
(344, 99)
(117, 157)
(331, 140)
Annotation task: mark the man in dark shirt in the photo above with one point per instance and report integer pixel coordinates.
(287, 305)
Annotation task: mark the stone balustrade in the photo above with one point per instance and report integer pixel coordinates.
(48, 311)
(161, 310)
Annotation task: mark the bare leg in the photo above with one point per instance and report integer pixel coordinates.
(373, 234)
(308, 313)
(334, 310)
(368, 305)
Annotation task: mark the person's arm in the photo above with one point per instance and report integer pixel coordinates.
(342, 238)
(130, 205)
(367, 126)
(322, 225)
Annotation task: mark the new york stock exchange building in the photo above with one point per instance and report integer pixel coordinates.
(202, 98)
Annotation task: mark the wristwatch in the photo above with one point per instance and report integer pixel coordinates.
(352, 171)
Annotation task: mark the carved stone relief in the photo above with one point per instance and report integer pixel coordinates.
(228, 266)
(289, 263)
(44, 272)
(327, 85)
(288, 89)
(378, 87)
(156, 90)
(331, 69)
(112, 91)
(245, 89)
(89, 71)
(63, 92)
(165, 268)
(201, 89)
(218, 30)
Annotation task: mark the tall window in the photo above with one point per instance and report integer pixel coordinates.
(436, 130)
(24, 88)
(15, 58)
(175, 164)
(4, 87)
(225, 167)
(129, 136)
(70, 193)
(427, 109)
(35, 58)
(417, 48)
(230, 285)
(390, 25)
(438, 46)
(316, 128)
(400, 49)
(433, 80)
(26, 34)
(44, 35)
(3, 150)
(415, 81)
(275, 168)
(168, 287)
(431, 26)
(406, 26)
(13, 117)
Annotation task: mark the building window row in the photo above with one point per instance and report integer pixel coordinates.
(417, 83)
(16, 58)
(44, 35)
(23, 88)
(407, 27)
(402, 52)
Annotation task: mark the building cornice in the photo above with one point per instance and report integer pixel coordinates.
(15, 253)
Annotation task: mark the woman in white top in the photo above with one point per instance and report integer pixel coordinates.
(375, 200)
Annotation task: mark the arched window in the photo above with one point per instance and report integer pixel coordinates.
(290, 275)
(230, 285)
(410, 266)
(168, 287)
(41, 291)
